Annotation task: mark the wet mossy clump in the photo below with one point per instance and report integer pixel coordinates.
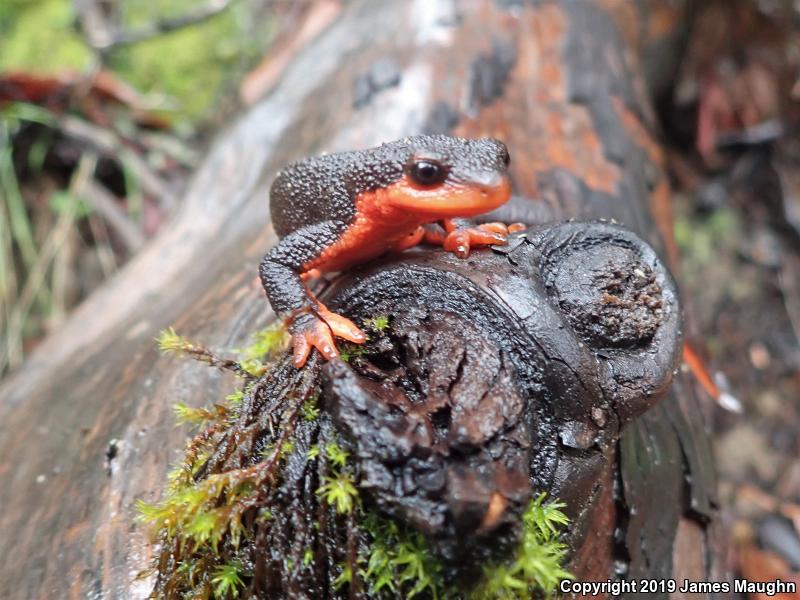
(266, 503)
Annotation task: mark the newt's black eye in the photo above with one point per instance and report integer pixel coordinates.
(427, 172)
(506, 158)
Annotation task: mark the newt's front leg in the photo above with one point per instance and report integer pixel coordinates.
(311, 324)
(459, 236)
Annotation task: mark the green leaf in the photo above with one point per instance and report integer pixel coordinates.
(227, 580)
(339, 492)
(308, 557)
(336, 454)
(62, 202)
(346, 576)
(313, 452)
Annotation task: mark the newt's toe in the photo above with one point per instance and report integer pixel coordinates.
(494, 227)
(461, 241)
(342, 326)
(317, 330)
(312, 333)
(310, 274)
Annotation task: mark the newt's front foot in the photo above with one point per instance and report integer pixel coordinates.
(318, 330)
(461, 240)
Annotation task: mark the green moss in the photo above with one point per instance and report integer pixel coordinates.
(308, 557)
(310, 410)
(339, 491)
(169, 342)
(537, 565)
(344, 578)
(700, 240)
(377, 323)
(227, 580)
(400, 560)
(348, 351)
(336, 454)
(266, 344)
(313, 452)
(38, 35)
(235, 399)
(188, 415)
(183, 71)
(253, 358)
(201, 57)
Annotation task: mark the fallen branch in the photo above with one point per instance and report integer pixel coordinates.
(105, 141)
(102, 36)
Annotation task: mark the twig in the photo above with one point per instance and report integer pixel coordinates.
(171, 146)
(109, 143)
(102, 245)
(38, 271)
(102, 38)
(106, 204)
(9, 289)
(215, 360)
(61, 278)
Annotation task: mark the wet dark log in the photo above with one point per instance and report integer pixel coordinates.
(506, 373)
(86, 428)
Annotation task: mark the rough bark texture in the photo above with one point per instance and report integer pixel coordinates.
(86, 428)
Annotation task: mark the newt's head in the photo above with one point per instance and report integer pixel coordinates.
(446, 176)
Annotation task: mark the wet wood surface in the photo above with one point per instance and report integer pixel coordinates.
(86, 427)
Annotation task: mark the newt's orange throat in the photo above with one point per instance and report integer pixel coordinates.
(386, 217)
(450, 199)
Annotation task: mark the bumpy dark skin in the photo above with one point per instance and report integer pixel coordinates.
(332, 212)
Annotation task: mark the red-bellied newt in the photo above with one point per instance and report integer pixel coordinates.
(338, 210)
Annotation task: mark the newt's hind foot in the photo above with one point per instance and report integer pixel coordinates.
(311, 330)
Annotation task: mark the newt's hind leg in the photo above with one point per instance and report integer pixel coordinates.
(310, 323)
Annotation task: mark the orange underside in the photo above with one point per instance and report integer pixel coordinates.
(377, 227)
(385, 217)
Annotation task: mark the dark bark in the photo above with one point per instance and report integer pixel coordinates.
(86, 428)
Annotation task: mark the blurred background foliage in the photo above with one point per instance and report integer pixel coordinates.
(105, 108)
(205, 59)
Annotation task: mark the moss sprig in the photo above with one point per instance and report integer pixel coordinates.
(267, 344)
(169, 342)
(338, 489)
(227, 580)
(399, 560)
(379, 323)
(539, 558)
